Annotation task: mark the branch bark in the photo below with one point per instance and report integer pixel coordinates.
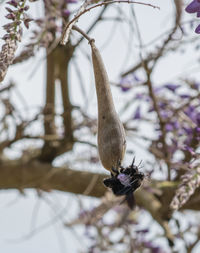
(16, 175)
(43, 176)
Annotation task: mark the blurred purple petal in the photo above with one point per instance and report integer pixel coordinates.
(10, 16)
(6, 36)
(71, 1)
(9, 10)
(26, 7)
(126, 83)
(193, 7)
(188, 130)
(196, 85)
(143, 231)
(169, 127)
(165, 114)
(65, 13)
(135, 77)
(198, 129)
(184, 96)
(193, 114)
(157, 90)
(13, 3)
(190, 149)
(139, 96)
(137, 114)
(154, 249)
(197, 30)
(162, 104)
(172, 87)
(176, 125)
(125, 88)
(151, 109)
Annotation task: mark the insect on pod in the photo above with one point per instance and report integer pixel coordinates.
(125, 181)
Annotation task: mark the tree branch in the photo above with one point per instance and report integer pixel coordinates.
(84, 9)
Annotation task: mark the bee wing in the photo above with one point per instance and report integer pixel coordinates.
(128, 189)
(125, 190)
(130, 200)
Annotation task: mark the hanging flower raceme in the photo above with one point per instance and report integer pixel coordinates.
(16, 14)
(194, 7)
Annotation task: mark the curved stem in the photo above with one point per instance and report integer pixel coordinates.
(76, 28)
(69, 25)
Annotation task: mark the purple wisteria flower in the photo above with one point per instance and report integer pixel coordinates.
(137, 114)
(125, 84)
(190, 182)
(16, 16)
(125, 88)
(197, 30)
(194, 7)
(71, 1)
(66, 13)
(172, 87)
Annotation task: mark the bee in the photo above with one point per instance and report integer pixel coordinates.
(124, 181)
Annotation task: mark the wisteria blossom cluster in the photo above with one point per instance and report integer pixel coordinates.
(43, 34)
(179, 109)
(47, 29)
(130, 236)
(194, 7)
(189, 183)
(17, 15)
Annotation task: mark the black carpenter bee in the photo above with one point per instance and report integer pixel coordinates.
(125, 181)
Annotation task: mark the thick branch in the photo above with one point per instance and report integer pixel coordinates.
(64, 55)
(57, 68)
(15, 175)
(46, 177)
(49, 109)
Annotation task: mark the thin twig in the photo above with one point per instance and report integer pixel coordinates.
(76, 28)
(99, 18)
(69, 26)
(160, 119)
(5, 88)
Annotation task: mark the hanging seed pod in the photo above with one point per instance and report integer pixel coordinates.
(111, 134)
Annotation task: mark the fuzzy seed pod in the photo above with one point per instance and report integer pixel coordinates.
(111, 134)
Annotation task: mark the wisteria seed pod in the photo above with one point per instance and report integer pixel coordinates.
(111, 134)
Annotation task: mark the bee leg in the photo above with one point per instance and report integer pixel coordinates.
(119, 164)
(121, 168)
(133, 162)
(139, 164)
(116, 172)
